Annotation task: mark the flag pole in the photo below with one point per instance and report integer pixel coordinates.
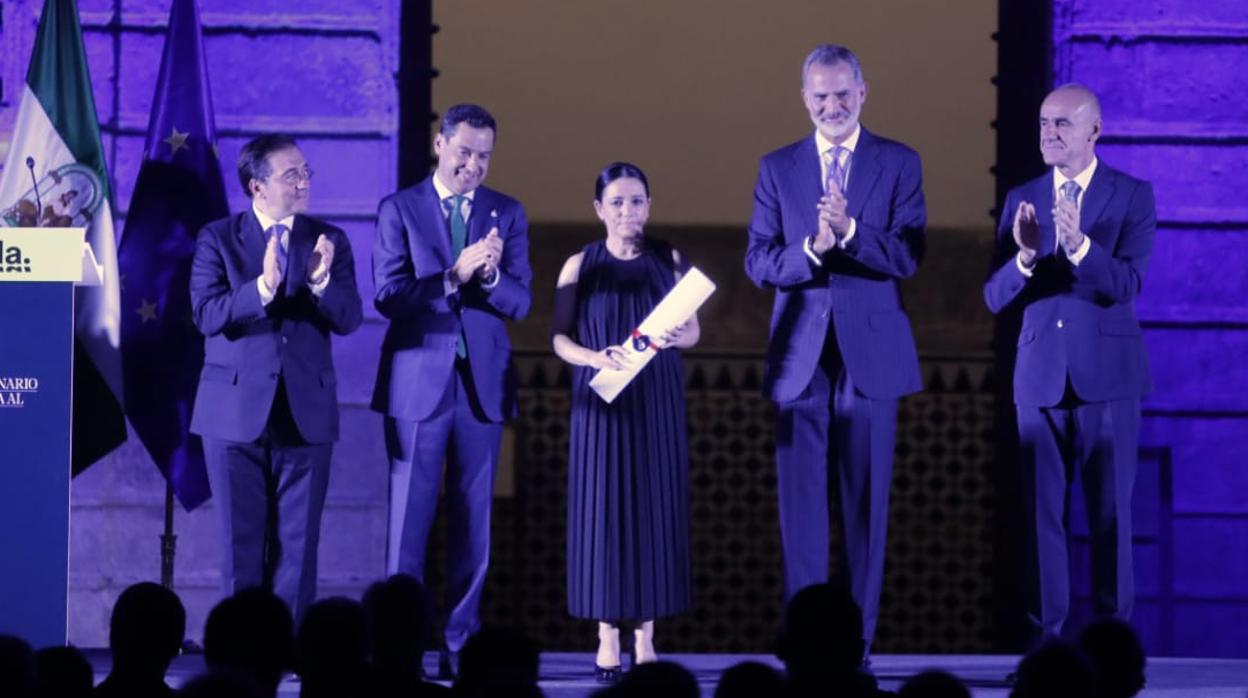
(168, 541)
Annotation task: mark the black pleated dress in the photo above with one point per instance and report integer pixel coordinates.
(628, 467)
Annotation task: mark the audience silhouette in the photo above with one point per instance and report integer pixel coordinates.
(62, 672)
(17, 667)
(1052, 670)
(375, 648)
(144, 635)
(498, 662)
(332, 649)
(821, 644)
(1117, 657)
(750, 679)
(249, 635)
(934, 684)
(662, 679)
(398, 616)
(219, 686)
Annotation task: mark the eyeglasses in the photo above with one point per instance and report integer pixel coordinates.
(293, 176)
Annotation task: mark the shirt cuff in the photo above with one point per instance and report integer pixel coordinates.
(492, 281)
(318, 289)
(1026, 271)
(1077, 256)
(810, 251)
(449, 284)
(849, 235)
(266, 296)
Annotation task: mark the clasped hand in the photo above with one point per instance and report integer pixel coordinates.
(480, 259)
(833, 220)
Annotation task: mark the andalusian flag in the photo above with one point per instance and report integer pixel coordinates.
(55, 177)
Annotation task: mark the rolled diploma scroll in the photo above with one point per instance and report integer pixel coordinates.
(643, 343)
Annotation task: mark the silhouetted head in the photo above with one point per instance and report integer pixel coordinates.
(498, 661)
(748, 680)
(147, 628)
(1117, 657)
(822, 632)
(1056, 668)
(659, 680)
(17, 667)
(934, 684)
(398, 622)
(249, 634)
(62, 672)
(333, 647)
(221, 685)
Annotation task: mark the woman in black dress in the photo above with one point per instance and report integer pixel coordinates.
(628, 468)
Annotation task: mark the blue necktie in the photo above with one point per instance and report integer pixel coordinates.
(277, 230)
(1070, 191)
(836, 168)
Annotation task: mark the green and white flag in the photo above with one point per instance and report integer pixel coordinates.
(56, 144)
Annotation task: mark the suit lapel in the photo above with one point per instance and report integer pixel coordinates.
(804, 182)
(251, 240)
(429, 210)
(863, 172)
(481, 220)
(298, 249)
(1100, 191)
(1042, 198)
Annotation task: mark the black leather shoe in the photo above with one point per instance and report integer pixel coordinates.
(448, 665)
(606, 674)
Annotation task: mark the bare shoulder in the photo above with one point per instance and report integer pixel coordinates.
(571, 270)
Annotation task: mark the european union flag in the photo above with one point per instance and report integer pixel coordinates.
(179, 190)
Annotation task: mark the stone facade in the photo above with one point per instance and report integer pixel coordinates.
(324, 73)
(1170, 77)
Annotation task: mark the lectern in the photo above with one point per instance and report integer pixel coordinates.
(38, 270)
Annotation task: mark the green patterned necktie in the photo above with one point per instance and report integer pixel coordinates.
(459, 226)
(459, 238)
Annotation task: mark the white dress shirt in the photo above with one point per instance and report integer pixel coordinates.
(823, 145)
(266, 293)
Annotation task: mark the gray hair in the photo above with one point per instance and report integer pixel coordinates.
(831, 54)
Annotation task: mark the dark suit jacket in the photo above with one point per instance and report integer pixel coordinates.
(855, 292)
(249, 345)
(411, 253)
(1079, 322)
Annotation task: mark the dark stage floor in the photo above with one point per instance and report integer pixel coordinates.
(566, 675)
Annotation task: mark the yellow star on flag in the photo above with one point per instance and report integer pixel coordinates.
(147, 310)
(176, 141)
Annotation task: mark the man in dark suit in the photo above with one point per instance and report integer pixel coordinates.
(1071, 251)
(838, 219)
(268, 286)
(451, 266)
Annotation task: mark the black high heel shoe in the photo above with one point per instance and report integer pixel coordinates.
(607, 674)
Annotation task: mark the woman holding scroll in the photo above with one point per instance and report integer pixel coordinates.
(628, 468)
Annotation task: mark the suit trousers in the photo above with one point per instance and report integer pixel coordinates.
(459, 434)
(1099, 441)
(269, 495)
(834, 443)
